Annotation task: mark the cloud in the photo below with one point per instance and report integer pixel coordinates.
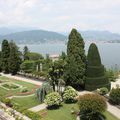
(61, 15)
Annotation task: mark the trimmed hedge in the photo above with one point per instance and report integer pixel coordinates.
(95, 72)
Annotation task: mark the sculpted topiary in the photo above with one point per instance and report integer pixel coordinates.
(95, 73)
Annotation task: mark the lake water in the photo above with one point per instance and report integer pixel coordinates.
(110, 52)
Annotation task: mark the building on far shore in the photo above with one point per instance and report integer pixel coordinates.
(54, 57)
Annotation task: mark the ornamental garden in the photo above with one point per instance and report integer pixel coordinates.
(62, 83)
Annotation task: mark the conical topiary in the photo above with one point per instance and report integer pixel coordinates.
(95, 75)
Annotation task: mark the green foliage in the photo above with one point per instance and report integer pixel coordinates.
(25, 52)
(112, 76)
(0, 61)
(95, 73)
(53, 99)
(43, 91)
(93, 56)
(34, 56)
(70, 94)
(32, 115)
(103, 91)
(55, 73)
(114, 96)
(91, 107)
(76, 60)
(5, 56)
(14, 58)
(28, 66)
(7, 101)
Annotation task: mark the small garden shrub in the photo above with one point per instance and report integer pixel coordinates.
(114, 96)
(91, 107)
(32, 115)
(69, 94)
(53, 99)
(7, 101)
(103, 91)
(24, 90)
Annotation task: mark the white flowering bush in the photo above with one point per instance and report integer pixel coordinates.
(70, 94)
(53, 99)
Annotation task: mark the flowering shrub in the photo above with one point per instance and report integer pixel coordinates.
(69, 95)
(114, 96)
(53, 99)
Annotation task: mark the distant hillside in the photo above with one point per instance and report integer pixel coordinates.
(34, 37)
(23, 35)
(100, 36)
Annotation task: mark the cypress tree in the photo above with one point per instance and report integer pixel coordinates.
(76, 60)
(25, 52)
(95, 72)
(5, 56)
(14, 59)
(0, 61)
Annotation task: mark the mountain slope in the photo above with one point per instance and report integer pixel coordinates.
(34, 37)
(100, 36)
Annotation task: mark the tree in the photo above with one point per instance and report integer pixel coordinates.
(95, 72)
(28, 66)
(25, 51)
(5, 56)
(91, 107)
(0, 61)
(76, 60)
(14, 58)
(43, 91)
(34, 56)
(55, 73)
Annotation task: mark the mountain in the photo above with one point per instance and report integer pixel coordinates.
(100, 36)
(30, 35)
(34, 37)
(9, 30)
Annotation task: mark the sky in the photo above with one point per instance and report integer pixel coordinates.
(61, 15)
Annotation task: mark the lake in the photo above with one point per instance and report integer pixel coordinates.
(110, 52)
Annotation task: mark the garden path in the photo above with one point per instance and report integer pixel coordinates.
(23, 79)
(38, 107)
(20, 96)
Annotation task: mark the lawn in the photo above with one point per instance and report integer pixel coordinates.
(64, 113)
(4, 92)
(26, 102)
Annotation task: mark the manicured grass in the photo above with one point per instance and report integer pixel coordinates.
(4, 92)
(64, 113)
(26, 102)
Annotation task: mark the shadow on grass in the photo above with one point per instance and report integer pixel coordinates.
(55, 107)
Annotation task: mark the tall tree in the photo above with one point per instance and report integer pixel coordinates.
(5, 56)
(14, 58)
(25, 52)
(0, 61)
(76, 60)
(95, 72)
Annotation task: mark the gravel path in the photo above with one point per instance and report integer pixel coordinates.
(38, 107)
(23, 79)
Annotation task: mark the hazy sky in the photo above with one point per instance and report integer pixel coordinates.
(61, 15)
